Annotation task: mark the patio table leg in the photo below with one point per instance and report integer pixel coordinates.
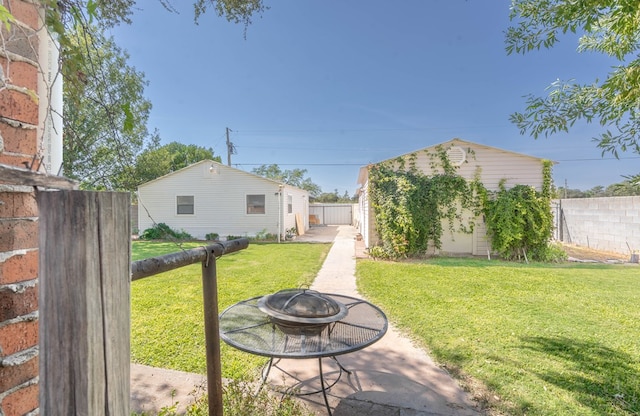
(324, 390)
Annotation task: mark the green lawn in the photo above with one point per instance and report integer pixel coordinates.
(545, 340)
(167, 323)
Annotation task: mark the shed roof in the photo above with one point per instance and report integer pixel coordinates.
(220, 166)
(364, 170)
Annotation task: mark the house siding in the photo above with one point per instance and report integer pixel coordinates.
(219, 202)
(492, 166)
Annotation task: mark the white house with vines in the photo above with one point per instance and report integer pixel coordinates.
(208, 197)
(491, 165)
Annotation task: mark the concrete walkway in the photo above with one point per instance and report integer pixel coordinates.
(390, 378)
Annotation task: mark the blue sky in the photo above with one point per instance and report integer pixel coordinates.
(332, 86)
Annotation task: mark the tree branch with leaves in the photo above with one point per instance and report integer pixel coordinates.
(610, 27)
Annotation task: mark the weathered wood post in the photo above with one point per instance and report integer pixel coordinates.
(212, 333)
(85, 262)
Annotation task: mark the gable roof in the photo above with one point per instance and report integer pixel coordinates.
(219, 166)
(364, 170)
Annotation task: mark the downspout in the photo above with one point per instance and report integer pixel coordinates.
(279, 211)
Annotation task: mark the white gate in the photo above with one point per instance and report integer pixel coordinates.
(331, 214)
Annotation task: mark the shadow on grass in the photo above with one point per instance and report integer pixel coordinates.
(599, 377)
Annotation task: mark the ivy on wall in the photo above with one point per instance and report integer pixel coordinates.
(520, 222)
(411, 207)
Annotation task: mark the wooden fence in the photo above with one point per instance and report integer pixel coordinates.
(85, 275)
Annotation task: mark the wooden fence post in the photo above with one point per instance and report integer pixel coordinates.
(85, 240)
(212, 334)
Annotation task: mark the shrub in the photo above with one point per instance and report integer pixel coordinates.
(239, 398)
(162, 231)
(212, 236)
(378, 252)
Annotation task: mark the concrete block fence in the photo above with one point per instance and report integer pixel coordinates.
(608, 224)
(19, 143)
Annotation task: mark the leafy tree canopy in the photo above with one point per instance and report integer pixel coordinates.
(156, 160)
(295, 177)
(334, 197)
(629, 187)
(105, 112)
(105, 115)
(610, 27)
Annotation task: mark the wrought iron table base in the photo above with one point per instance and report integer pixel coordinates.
(273, 362)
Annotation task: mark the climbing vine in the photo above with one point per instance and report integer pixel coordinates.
(411, 207)
(520, 222)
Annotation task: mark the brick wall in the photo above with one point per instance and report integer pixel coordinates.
(18, 214)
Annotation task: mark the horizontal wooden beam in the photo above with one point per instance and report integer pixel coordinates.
(155, 265)
(13, 175)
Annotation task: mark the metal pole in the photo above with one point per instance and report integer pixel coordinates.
(212, 334)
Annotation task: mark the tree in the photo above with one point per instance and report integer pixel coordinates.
(333, 197)
(610, 27)
(293, 177)
(156, 160)
(105, 115)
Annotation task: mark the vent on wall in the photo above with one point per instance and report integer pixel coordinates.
(457, 156)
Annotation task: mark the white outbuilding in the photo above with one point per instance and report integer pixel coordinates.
(208, 197)
(491, 165)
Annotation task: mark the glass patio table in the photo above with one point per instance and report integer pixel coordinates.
(245, 327)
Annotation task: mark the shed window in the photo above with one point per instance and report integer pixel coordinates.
(289, 204)
(255, 204)
(184, 204)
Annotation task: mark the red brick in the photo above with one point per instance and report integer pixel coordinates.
(18, 205)
(19, 268)
(15, 160)
(14, 304)
(18, 336)
(16, 105)
(19, 139)
(18, 234)
(23, 11)
(19, 73)
(21, 41)
(21, 401)
(15, 375)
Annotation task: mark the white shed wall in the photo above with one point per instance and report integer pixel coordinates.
(493, 166)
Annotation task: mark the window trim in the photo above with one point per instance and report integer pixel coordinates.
(264, 204)
(193, 205)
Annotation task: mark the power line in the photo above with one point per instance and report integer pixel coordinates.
(368, 130)
(301, 164)
(368, 163)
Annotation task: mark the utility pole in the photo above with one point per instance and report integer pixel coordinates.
(231, 149)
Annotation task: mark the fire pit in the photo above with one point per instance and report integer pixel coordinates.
(301, 311)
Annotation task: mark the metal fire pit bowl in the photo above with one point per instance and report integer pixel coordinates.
(301, 311)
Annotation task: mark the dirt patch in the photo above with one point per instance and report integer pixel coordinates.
(586, 254)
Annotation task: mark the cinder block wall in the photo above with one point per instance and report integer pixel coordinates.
(18, 213)
(602, 223)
